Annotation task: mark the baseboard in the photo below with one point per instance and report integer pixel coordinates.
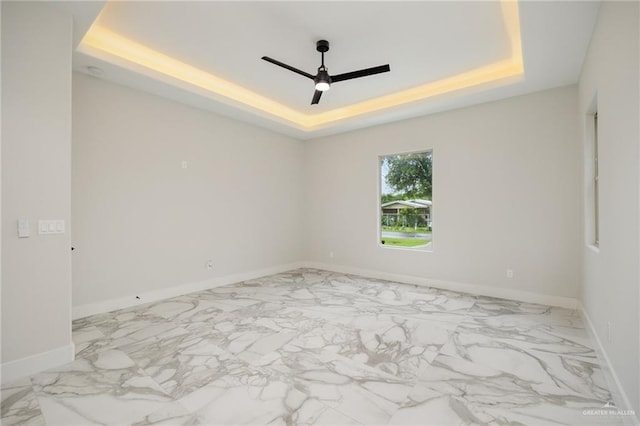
(481, 290)
(86, 310)
(620, 398)
(24, 367)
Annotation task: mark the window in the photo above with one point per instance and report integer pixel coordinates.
(406, 207)
(596, 212)
(592, 177)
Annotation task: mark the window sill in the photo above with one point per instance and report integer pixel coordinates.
(428, 249)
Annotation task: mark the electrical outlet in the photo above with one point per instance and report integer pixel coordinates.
(509, 273)
(209, 264)
(331, 254)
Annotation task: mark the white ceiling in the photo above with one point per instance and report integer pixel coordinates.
(422, 42)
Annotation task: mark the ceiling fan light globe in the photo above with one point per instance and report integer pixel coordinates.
(322, 86)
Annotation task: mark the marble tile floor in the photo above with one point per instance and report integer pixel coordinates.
(311, 347)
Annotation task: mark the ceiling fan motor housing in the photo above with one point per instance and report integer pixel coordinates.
(322, 80)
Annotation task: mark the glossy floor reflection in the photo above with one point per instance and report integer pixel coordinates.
(315, 347)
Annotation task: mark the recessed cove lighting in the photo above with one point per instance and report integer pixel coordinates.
(106, 44)
(95, 71)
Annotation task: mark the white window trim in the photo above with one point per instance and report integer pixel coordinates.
(430, 249)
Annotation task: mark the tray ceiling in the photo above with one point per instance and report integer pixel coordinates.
(442, 55)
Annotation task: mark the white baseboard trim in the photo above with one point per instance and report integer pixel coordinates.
(86, 310)
(481, 290)
(620, 398)
(24, 367)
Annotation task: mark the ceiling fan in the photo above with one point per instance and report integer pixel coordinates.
(322, 79)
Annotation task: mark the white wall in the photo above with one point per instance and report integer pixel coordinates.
(506, 195)
(611, 280)
(142, 223)
(36, 182)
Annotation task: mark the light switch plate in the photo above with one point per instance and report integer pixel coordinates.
(24, 229)
(49, 227)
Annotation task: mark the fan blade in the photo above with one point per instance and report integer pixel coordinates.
(289, 67)
(360, 73)
(316, 97)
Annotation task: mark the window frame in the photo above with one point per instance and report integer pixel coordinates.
(596, 183)
(380, 157)
(591, 189)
